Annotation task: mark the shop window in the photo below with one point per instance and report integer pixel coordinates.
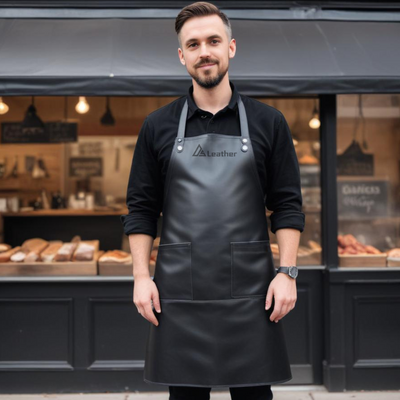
(368, 180)
(302, 116)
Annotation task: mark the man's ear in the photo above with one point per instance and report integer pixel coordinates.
(232, 48)
(181, 56)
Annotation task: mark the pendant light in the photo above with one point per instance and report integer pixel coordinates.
(32, 122)
(107, 118)
(82, 107)
(314, 122)
(3, 107)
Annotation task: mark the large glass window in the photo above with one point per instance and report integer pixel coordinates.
(302, 116)
(70, 187)
(368, 180)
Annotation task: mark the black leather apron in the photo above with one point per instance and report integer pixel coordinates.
(213, 269)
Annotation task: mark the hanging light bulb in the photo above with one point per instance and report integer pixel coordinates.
(314, 122)
(82, 107)
(3, 107)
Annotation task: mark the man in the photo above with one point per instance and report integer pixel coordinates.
(212, 161)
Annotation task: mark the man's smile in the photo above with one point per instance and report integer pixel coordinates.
(206, 66)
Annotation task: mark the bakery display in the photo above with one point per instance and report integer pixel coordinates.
(30, 250)
(348, 244)
(37, 256)
(353, 253)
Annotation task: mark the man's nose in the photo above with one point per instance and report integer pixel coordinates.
(204, 50)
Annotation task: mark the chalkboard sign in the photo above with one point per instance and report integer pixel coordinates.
(84, 167)
(53, 132)
(354, 161)
(362, 198)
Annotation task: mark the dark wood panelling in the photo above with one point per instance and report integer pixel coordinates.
(97, 318)
(363, 351)
(115, 341)
(36, 334)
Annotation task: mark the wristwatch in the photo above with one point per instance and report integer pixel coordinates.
(292, 271)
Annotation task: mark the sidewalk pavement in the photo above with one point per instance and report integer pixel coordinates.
(280, 393)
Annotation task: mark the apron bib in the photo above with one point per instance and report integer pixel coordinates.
(213, 269)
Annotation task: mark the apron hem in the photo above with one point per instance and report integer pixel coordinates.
(218, 386)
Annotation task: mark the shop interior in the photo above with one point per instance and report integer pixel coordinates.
(70, 157)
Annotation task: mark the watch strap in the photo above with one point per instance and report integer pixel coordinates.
(286, 270)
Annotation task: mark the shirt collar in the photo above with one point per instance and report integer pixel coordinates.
(192, 107)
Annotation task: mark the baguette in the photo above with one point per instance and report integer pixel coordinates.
(36, 244)
(18, 256)
(5, 256)
(33, 248)
(48, 254)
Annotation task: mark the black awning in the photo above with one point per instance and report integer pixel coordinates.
(138, 57)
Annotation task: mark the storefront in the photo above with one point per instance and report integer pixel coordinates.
(71, 326)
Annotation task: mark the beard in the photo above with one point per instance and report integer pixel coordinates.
(211, 80)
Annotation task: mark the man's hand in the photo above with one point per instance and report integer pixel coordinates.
(283, 288)
(144, 293)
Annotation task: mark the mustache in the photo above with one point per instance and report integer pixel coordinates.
(206, 62)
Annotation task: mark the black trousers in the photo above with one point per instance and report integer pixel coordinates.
(262, 392)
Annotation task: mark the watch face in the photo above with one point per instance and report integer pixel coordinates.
(293, 272)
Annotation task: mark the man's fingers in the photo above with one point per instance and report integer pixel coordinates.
(285, 308)
(283, 312)
(268, 299)
(149, 314)
(156, 302)
(277, 309)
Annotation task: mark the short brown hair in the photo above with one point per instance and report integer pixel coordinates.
(200, 9)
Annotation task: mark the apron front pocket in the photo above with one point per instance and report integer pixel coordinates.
(252, 268)
(173, 271)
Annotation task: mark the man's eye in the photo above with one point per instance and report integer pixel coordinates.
(215, 41)
(192, 44)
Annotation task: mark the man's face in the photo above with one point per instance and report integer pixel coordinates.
(206, 50)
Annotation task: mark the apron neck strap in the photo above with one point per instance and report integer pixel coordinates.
(244, 127)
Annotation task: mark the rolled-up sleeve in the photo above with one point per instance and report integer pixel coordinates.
(283, 195)
(143, 197)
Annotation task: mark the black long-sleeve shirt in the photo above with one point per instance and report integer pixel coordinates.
(270, 136)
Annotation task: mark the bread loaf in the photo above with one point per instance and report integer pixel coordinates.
(4, 247)
(18, 256)
(5, 256)
(36, 245)
(394, 253)
(48, 254)
(65, 252)
(116, 256)
(84, 251)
